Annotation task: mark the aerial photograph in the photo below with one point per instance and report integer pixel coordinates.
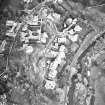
(52, 52)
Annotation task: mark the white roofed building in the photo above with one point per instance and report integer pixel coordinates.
(50, 84)
(77, 28)
(52, 74)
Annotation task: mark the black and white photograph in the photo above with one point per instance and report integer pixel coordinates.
(52, 52)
